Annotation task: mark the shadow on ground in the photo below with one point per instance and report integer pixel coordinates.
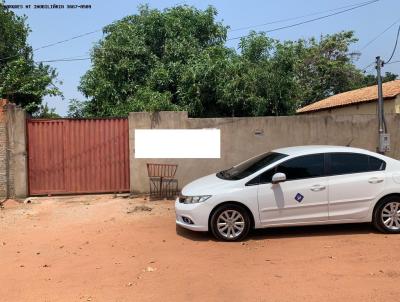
(290, 232)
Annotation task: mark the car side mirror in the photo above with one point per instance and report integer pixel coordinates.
(278, 177)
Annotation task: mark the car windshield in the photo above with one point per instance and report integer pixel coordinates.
(250, 166)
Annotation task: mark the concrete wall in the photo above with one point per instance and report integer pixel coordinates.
(391, 106)
(242, 138)
(18, 151)
(3, 151)
(13, 156)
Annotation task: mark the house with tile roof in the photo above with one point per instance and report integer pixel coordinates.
(359, 101)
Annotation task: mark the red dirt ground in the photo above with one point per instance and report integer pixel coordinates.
(98, 248)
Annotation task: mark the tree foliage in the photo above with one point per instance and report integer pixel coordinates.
(21, 80)
(44, 111)
(326, 67)
(147, 61)
(372, 79)
(176, 59)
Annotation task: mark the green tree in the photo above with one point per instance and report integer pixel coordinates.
(21, 80)
(370, 79)
(78, 109)
(45, 111)
(261, 81)
(176, 59)
(326, 67)
(144, 61)
(277, 77)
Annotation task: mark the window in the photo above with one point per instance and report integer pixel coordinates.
(303, 167)
(250, 166)
(376, 164)
(263, 178)
(307, 166)
(347, 163)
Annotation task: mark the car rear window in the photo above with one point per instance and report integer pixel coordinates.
(348, 163)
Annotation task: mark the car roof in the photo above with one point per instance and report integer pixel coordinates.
(311, 149)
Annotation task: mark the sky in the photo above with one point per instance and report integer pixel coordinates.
(52, 25)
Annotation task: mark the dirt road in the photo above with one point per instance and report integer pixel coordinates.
(100, 248)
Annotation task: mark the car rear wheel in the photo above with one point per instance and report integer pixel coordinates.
(230, 223)
(387, 215)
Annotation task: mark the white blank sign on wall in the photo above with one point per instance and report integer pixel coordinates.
(177, 143)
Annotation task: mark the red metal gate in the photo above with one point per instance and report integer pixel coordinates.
(78, 156)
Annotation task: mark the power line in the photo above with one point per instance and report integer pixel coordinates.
(56, 43)
(394, 48)
(67, 40)
(398, 61)
(78, 57)
(370, 65)
(379, 35)
(352, 7)
(296, 18)
(395, 45)
(310, 20)
(63, 60)
(367, 67)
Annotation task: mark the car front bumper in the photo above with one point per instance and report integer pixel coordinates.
(193, 216)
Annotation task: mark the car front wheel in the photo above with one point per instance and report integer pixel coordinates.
(230, 222)
(387, 215)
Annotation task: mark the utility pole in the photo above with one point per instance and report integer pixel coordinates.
(380, 94)
(384, 139)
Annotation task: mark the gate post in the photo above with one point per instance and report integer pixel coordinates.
(3, 152)
(19, 155)
(13, 156)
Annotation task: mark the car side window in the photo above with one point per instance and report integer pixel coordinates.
(376, 164)
(301, 167)
(348, 163)
(263, 178)
(266, 177)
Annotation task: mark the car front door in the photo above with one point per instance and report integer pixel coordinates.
(355, 181)
(302, 198)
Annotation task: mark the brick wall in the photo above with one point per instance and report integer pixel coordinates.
(3, 150)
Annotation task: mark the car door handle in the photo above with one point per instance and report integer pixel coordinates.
(375, 180)
(317, 188)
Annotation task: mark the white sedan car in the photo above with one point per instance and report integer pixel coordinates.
(294, 186)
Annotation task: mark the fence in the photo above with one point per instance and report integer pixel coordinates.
(241, 138)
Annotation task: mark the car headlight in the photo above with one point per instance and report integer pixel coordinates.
(193, 199)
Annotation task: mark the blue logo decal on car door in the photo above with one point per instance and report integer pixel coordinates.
(299, 197)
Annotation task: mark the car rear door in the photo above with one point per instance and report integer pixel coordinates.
(355, 180)
(302, 198)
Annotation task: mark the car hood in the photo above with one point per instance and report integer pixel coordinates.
(207, 185)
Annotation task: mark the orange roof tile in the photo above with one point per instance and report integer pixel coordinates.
(390, 90)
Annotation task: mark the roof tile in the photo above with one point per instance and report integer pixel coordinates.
(390, 90)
